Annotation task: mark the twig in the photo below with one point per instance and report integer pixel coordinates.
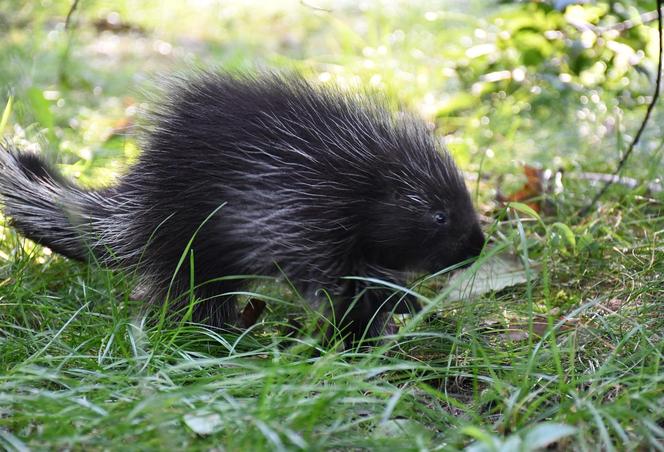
(629, 182)
(582, 25)
(629, 23)
(315, 8)
(62, 73)
(69, 14)
(637, 137)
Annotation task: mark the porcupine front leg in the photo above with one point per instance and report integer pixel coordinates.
(365, 309)
(357, 320)
(384, 298)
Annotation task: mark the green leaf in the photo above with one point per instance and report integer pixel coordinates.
(525, 209)
(545, 434)
(5, 114)
(42, 110)
(475, 432)
(566, 233)
(456, 103)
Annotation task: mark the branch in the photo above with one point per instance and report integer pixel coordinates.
(315, 8)
(646, 118)
(620, 27)
(627, 24)
(70, 13)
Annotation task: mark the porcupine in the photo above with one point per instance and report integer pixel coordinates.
(262, 174)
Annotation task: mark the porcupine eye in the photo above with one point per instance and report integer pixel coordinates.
(440, 217)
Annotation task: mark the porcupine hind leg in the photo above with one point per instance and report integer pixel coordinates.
(201, 299)
(216, 305)
(211, 303)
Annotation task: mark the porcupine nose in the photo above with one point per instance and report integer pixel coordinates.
(475, 242)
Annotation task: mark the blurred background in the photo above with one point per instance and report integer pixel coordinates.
(551, 84)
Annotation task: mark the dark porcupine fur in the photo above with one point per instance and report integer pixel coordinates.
(269, 174)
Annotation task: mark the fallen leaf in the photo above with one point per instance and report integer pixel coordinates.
(399, 427)
(494, 274)
(539, 183)
(203, 423)
(251, 312)
(114, 23)
(530, 190)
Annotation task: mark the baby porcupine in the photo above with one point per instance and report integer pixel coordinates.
(268, 174)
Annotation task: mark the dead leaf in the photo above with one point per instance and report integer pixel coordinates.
(539, 182)
(494, 274)
(251, 312)
(113, 23)
(530, 190)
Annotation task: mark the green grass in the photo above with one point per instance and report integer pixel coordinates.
(580, 345)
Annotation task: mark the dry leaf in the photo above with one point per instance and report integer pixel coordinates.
(539, 182)
(494, 274)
